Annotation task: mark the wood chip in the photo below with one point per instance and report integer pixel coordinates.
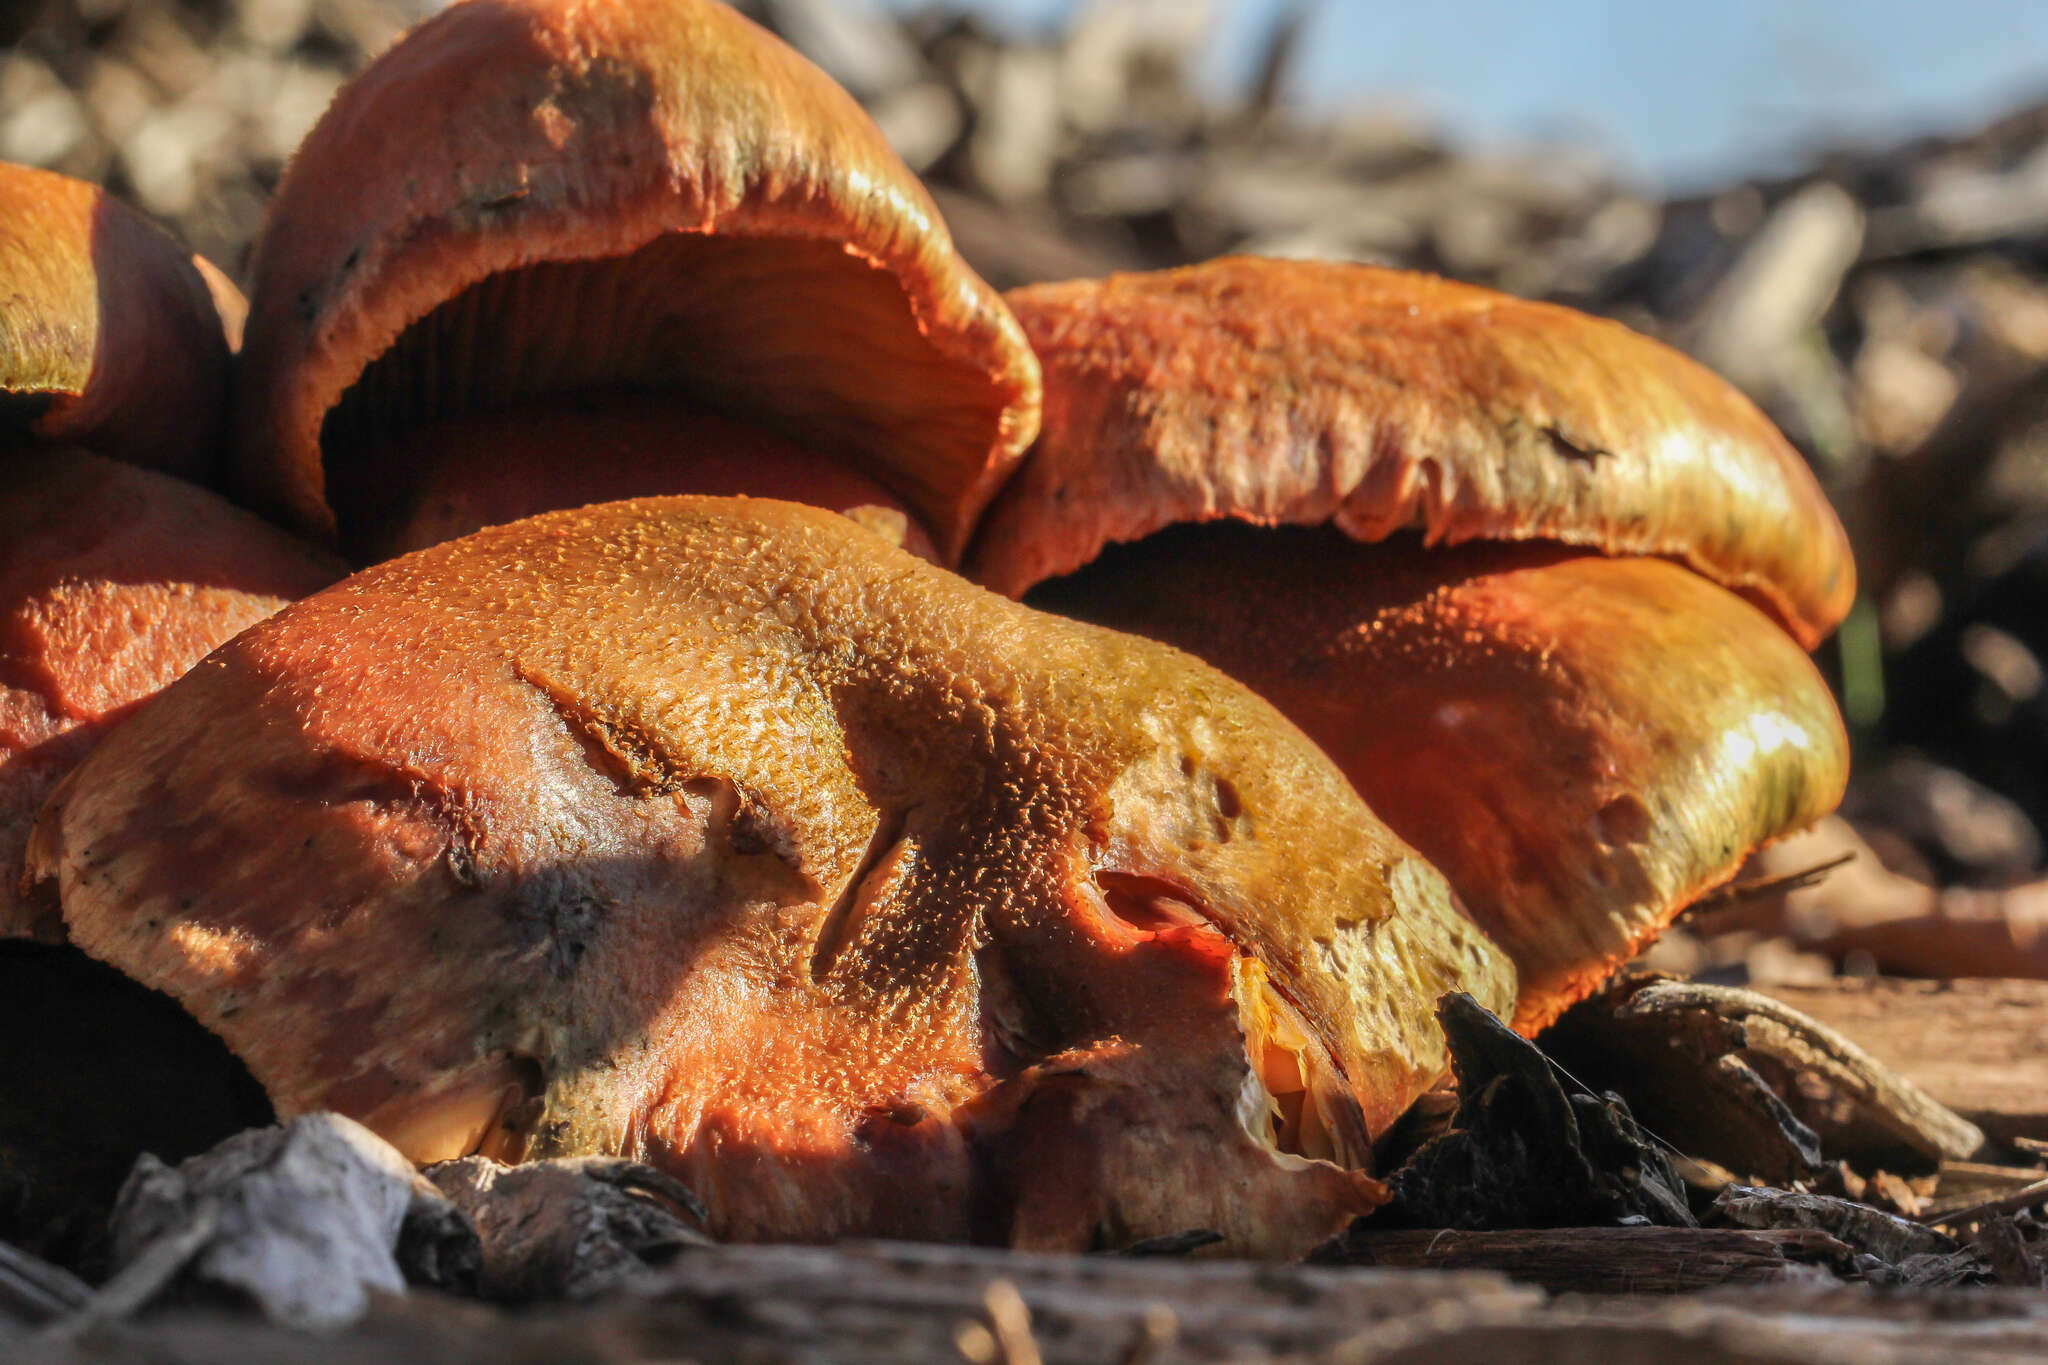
(1978, 1047)
(569, 1229)
(1637, 1260)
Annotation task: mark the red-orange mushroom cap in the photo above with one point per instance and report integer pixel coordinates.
(1581, 733)
(110, 337)
(1305, 392)
(113, 579)
(1582, 744)
(548, 195)
(721, 834)
(113, 582)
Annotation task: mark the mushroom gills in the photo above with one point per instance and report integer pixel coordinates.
(792, 338)
(1583, 745)
(1296, 1102)
(460, 474)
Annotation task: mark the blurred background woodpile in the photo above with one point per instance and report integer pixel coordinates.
(1888, 307)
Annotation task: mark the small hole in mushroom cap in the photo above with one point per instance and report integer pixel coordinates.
(1624, 820)
(1227, 803)
(1148, 904)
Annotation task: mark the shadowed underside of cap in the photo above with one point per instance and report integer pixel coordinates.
(1583, 745)
(113, 582)
(1306, 392)
(548, 194)
(109, 335)
(485, 469)
(720, 833)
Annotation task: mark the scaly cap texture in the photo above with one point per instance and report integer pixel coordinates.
(719, 833)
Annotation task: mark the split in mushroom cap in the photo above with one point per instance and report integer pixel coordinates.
(113, 582)
(532, 196)
(719, 833)
(109, 334)
(1594, 758)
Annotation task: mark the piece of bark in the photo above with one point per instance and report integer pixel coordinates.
(1681, 1072)
(1091, 1308)
(1871, 1231)
(2004, 1251)
(302, 1221)
(1528, 1148)
(569, 1229)
(1958, 1269)
(2014, 1258)
(1967, 1184)
(1978, 1047)
(1781, 287)
(1019, 245)
(1844, 1100)
(915, 1305)
(1629, 1260)
(2032, 1195)
(1801, 1044)
(145, 1277)
(1957, 828)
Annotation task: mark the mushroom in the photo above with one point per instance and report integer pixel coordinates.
(110, 336)
(617, 221)
(1587, 712)
(113, 579)
(721, 834)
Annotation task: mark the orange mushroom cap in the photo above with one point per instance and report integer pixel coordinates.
(1582, 745)
(529, 196)
(1302, 392)
(109, 334)
(113, 581)
(721, 834)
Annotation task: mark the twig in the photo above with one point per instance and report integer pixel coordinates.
(1006, 1338)
(35, 1289)
(1735, 893)
(2025, 1197)
(144, 1277)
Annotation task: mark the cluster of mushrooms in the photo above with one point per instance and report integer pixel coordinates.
(906, 761)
